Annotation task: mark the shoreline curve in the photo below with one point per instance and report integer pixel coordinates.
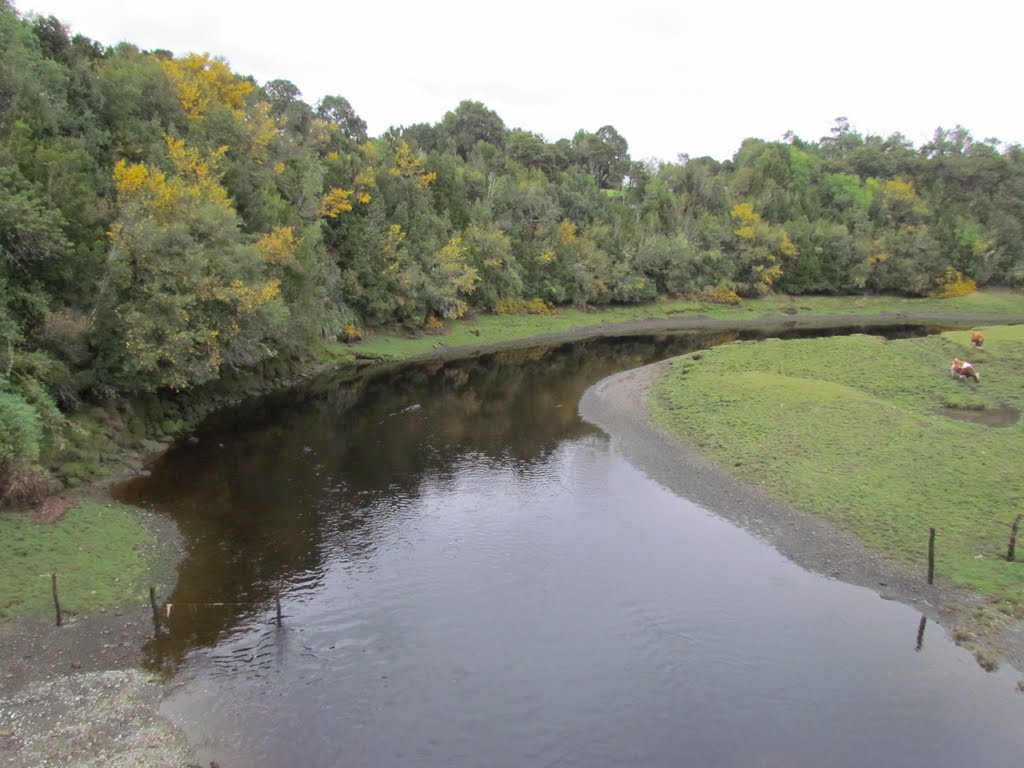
(618, 406)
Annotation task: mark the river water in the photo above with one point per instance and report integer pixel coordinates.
(470, 575)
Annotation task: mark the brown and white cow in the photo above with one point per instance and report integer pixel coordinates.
(961, 369)
(977, 338)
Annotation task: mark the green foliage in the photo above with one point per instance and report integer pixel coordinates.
(21, 431)
(490, 253)
(144, 201)
(471, 123)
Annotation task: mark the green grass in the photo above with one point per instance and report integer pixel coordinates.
(847, 428)
(96, 550)
(487, 330)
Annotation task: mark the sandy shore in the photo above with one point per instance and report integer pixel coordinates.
(618, 405)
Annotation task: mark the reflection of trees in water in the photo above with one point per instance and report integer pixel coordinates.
(275, 490)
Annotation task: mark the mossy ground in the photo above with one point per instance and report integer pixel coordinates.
(847, 428)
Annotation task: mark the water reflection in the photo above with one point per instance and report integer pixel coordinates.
(469, 574)
(273, 490)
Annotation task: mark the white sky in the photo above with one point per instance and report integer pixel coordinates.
(672, 76)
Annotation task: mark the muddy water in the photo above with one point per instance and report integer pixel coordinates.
(469, 575)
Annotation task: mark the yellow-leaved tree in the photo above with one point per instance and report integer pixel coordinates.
(759, 251)
(202, 82)
(206, 85)
(185, 294)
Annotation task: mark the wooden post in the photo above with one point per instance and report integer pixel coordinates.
(931, 555)
(1013, 539)
(920, 633)
(56, 600)
(156, 612)
(277, 601)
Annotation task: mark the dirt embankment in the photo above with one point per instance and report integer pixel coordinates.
(618, 405)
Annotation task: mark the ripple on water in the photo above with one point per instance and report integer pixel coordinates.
(493, 584)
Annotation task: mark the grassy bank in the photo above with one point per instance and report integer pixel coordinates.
(862, 432)
(500, 329)
(100, 552)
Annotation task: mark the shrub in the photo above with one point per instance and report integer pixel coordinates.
(524, 307)
(719, 294)
(21, 430)
(25, 483)
(951, 284)
(350, 334)
(65, 333)
(433, 324)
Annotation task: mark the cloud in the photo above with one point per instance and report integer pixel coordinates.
(671, 77)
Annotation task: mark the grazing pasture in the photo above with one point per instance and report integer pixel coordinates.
(857, 430)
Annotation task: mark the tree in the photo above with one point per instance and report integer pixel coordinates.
(759, 250)
(185, 295)
(337, 113)
(675, 266)
(490, 253)
(472, 122)
(605, 154)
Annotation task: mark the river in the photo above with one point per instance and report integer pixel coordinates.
(470, 575)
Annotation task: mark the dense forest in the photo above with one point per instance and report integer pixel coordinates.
(164, 220)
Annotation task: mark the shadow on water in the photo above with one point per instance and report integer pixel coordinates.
(274, 490)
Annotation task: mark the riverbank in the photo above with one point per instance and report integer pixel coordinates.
(76, 695)
(125, 435)
(619, 406)
(113, 639)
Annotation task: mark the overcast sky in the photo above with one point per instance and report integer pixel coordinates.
(671, 76)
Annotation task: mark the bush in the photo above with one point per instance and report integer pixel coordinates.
(25, 483)
(22, 481)
(524, 307)
(951, 284)
(719, 294)
(21, 431)
(350, 334)
(66, 334)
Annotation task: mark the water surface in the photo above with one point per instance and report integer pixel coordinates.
(470, 575)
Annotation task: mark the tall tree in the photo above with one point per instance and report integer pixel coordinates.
(472, 122)
(185, 294)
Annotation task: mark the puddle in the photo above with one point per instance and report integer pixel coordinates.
(1004, 416)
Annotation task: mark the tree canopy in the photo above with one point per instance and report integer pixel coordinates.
(164, 220)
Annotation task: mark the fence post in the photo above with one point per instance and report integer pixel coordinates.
(277, 601)
(931, 555)
(56, 600)
(1013, 539)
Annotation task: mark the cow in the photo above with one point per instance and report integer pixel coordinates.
(977, 338)
(961, 369)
